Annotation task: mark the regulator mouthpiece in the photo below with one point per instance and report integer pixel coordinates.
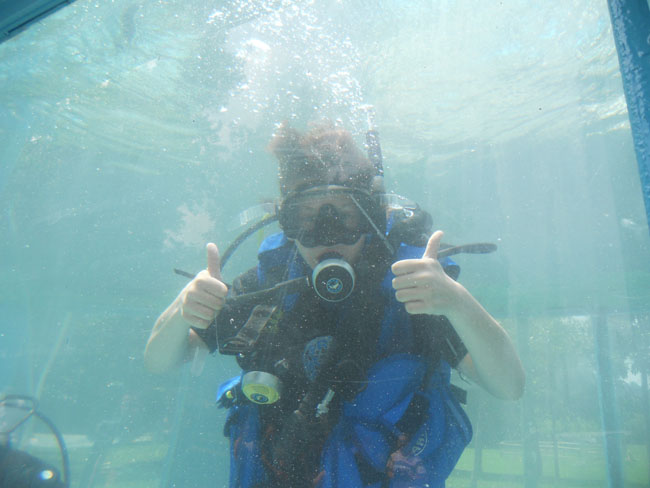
(333, 278)
(261, 388)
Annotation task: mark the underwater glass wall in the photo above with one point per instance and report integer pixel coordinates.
(133, 133)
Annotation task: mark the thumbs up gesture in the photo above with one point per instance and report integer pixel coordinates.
(205, 295)
(422, 284)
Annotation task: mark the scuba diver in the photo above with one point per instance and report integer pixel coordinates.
(345, 331)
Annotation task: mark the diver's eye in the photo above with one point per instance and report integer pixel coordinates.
(349, 217)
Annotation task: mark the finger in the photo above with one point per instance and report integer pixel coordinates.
(433, 245)
(212, 301)
(214, 261)
(410, 280)
(415, 307)
(201, 311)
(209, 286)
(196, 321)
(406, 266)
(409, 295)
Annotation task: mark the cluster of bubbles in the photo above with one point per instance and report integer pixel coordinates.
(295, 61)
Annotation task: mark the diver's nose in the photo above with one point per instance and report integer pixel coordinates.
(328, 211)
(328, 225)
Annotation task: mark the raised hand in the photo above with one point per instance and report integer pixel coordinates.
(205, 295)
(422, 284)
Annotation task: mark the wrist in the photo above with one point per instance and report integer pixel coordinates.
(457, 302)
(173, 317)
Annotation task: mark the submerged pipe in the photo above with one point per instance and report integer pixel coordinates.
(631, 28)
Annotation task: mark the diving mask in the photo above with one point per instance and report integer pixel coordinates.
(329, 215)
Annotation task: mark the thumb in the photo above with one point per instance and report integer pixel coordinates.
(214, 261)
(433, 245)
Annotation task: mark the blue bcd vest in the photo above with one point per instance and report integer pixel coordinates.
(367, 426)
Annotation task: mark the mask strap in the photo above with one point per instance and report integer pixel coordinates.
(388, 245)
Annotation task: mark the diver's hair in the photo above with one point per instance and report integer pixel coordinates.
(325, 154)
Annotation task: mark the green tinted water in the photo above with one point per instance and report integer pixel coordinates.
(131, 134)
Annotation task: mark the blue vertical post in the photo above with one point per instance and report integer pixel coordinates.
(607, 400)
(631, 28)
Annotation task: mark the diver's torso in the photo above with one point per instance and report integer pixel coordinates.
(340, 365)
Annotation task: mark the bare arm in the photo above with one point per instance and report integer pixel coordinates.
(492, 361)
(171, 339)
